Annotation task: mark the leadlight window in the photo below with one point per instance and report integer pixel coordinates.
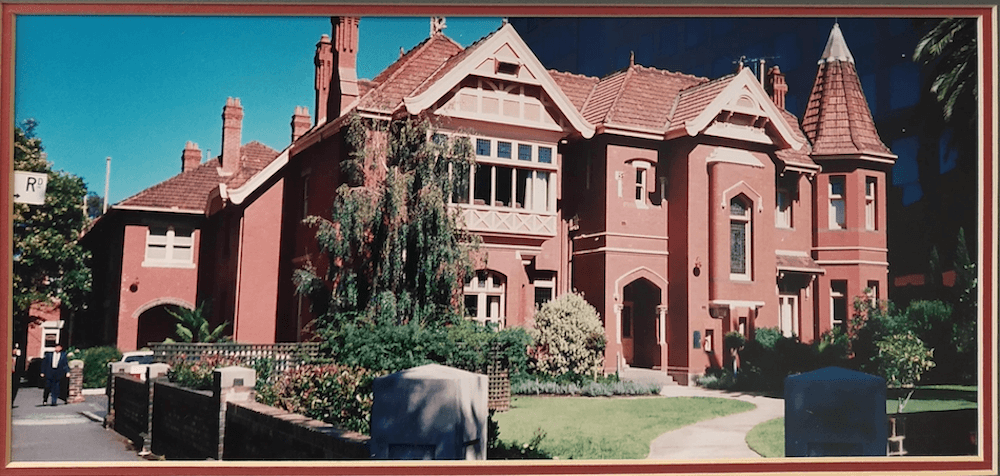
(484, 147)
(739, 238)
(524, 152)
(503, 150)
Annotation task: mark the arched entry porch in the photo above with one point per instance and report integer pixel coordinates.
(155, 322)
(641, 314)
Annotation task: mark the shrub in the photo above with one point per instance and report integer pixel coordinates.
(197, 373)
(472, 346)
(337, 394)
(902, 359)
(717, 379)
(568, 337)
(95, 365)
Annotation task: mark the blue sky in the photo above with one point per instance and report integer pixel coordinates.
(137, 88)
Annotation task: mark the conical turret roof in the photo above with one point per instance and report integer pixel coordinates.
(837, 119)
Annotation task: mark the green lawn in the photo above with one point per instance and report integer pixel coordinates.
(768, 438)
(606, 428)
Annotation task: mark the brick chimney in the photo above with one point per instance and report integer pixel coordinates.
(324, 73)
(191, 157)
(232, 126)
(300, 122)
(776, 86)
(344, 85)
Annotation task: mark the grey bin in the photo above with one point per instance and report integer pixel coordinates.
(835, 412)
(430, 412)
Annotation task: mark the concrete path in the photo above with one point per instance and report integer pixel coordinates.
(66, 432)
(718, 438)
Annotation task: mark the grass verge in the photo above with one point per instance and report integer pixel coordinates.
(768, 439)
(606, 428)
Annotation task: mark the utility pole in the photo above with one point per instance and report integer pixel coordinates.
(107, 181)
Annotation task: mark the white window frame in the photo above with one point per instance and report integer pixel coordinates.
(541, 181)
(834, 200)
(747, 221)
(783, 218)
(642, 169)
(488, 286)
(835, 296)
(544, 283)
(872, 289)
(171, 243)
(792, 301)
(871, 215)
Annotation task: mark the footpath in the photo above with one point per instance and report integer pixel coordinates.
(66, 432)
(715, 439)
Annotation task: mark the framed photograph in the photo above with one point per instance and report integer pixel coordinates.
(482, 239)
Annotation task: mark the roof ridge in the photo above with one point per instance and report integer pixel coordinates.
(621, 91)
(593, 87)
(679, 74)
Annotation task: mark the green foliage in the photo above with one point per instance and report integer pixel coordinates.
(48, 263)
(337, 394)
(497, 449)
(951, 46)
(766, 360)
(568, 337)
(193, 326)
(397, 253)
(767, 337)
(474, 346)
(197, 373)
(589, 388)
(717, 379)
(734, 340)
(902, 359)
(95, 365)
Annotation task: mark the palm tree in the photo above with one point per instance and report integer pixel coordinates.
(951, 47)
(192, 326)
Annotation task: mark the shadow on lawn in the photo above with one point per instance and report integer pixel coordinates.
(933, 394)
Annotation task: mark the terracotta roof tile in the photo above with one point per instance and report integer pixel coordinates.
(576, 87)
(405, 75)
(801, 156)
(189, 190)
(693, 100)
(647, 97)
(837, 118)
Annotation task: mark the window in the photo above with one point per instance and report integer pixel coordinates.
(739, 238)
(545, 290)
(485, 294)
(838, 303)
(838, 221)
(497, 181)
(783, 209)
(870, 214)
(872, 291)
(167, 246)
(641, 182)
(788, 309)
(484, 147)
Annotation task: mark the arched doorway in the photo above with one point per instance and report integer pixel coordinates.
(640, 324)
(156, 324)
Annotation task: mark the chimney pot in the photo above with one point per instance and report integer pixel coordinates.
(190, 157)
(345, 53)
(776, 86)
(232, 126)
(300, 122)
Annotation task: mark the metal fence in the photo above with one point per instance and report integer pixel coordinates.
(283, 356)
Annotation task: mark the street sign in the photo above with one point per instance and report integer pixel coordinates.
(29, 187)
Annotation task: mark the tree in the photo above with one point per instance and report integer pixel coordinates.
(951, 47)
(397, 253)
(193, 326)
(49, 264)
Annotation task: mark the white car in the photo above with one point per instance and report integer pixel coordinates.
(133, 363)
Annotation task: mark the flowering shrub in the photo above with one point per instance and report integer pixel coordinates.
(337, 394)
(902, 359)
(198, 373)
(568, 337)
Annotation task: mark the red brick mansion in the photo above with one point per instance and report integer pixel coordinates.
(681, 207)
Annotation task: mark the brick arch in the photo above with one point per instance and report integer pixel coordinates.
(637, 273)
(161, 302)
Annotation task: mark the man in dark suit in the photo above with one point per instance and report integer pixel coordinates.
(55, 365)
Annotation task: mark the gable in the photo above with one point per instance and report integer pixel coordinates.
(741, 110)
(500, 80)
